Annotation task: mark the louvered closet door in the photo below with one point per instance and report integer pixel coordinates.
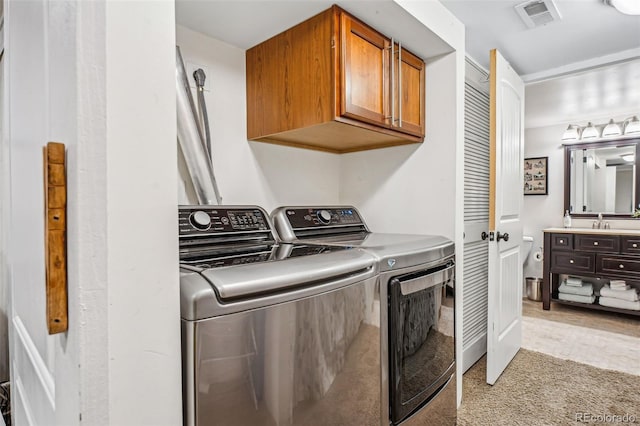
(476, 220)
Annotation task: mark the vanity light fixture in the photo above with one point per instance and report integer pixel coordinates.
(611, 129)
(628, 157)
(590, 132)
(572, 133)
(628, 7)
(632, 126)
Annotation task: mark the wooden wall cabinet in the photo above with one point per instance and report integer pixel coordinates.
(585, 253)
(335, 84)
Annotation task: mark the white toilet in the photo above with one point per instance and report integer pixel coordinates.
(525, 248)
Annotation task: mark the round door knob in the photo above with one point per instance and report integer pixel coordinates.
(595, 243)
(634, 245)
(621, 266)
(571, 261)
(324, 216)
(200, 220)
(561, 241)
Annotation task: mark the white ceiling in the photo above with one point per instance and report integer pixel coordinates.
(589, 34)
(245, 23)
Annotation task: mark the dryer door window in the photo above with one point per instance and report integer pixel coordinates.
(421, 337)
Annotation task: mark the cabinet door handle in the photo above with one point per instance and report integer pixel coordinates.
(621, 266)
(504, 236)
(561, 241)
(595, 243)
(570, 260)
(634, 245)
(399, 84)
(393, 86)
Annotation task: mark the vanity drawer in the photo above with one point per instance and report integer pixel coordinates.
(562, 241)
(630, 244)
(599, 243)
(569, 262)
(618, 265)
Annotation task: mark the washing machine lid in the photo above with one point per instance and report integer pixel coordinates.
(345, 226)
(396, 251)
(217, 291)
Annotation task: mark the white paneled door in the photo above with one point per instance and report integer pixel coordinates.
(504, 334)
(28, 121)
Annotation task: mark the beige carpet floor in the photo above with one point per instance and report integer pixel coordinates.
(537, 389)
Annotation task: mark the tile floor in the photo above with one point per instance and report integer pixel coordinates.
(590, 337)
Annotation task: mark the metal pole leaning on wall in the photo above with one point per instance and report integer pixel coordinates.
(191, 140)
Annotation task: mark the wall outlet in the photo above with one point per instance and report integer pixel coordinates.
(191, 67)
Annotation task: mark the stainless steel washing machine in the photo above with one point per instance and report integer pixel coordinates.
(416, 279)
(274, 334)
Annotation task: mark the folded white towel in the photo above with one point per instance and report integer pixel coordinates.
(576, 298)
(574, 282)
(584, 290)
(617, 303)
(630, 294)
(620, 288)
(618, 284)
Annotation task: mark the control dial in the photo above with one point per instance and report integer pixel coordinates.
(200, 220)
(324, 217)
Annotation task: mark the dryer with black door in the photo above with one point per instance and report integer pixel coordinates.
(416, 280)
(274, 334)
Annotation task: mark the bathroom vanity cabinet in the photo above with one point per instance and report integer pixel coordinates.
(591, 253)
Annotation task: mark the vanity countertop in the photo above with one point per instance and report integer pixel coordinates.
(614, 231)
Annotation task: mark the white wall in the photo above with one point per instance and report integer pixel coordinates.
(544, 140)
(411, 188)
(145, 385)
(250, 172)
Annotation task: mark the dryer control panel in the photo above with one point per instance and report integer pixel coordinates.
(309, 217)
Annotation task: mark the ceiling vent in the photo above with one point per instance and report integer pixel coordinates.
(538, 12)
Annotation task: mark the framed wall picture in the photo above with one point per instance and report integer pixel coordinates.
(535, 176)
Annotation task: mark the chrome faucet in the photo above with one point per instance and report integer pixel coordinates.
(599, 224)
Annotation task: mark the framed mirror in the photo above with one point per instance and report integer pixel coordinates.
(602, 177)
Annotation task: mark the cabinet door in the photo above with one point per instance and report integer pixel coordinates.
(408, 92)
(364, 91)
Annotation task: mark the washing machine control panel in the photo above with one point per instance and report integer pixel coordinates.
(198, 220)
(323, 216)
